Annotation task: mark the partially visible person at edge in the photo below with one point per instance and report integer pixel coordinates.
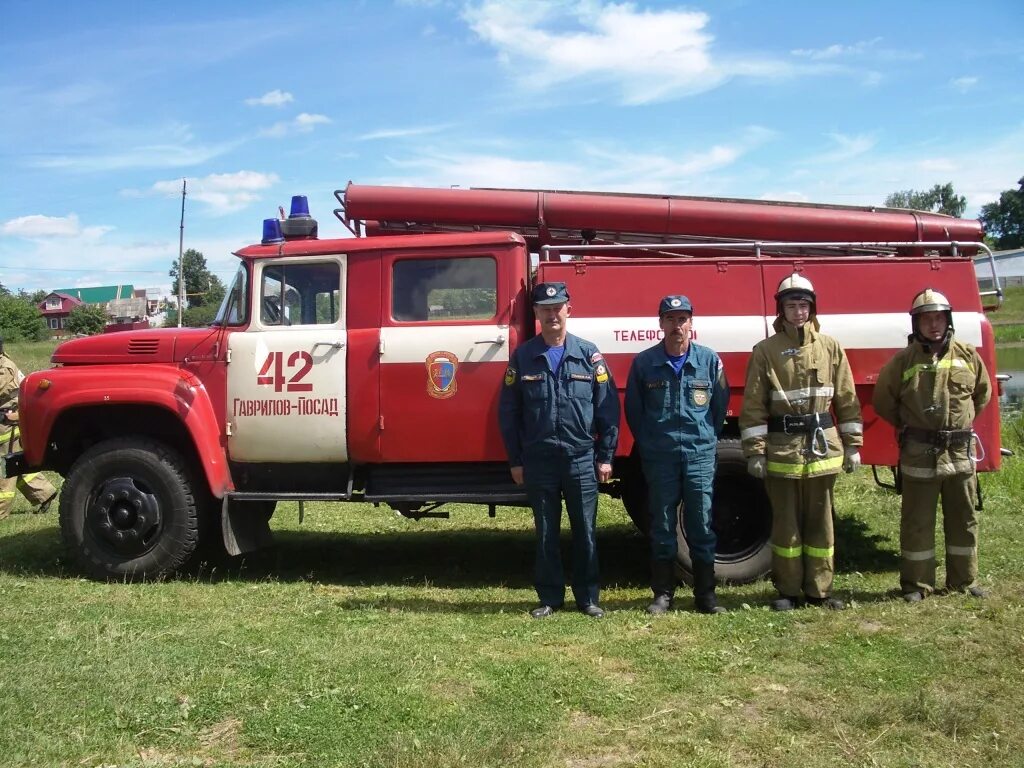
(35, 487)
(558, 394)
(795, 380)
(676, 400)
(931, 391)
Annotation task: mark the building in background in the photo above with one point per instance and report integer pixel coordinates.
(55, 308)
(124, 305)
(1009, 267)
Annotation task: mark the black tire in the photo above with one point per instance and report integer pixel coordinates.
(129, 510)
(741, 517)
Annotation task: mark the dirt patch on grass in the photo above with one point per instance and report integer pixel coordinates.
(223, 738)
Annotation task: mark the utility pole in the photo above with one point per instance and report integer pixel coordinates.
(181, 258)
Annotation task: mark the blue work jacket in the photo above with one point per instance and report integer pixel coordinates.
(546, 413)
(674, 416)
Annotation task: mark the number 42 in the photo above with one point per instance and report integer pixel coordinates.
(275, 360)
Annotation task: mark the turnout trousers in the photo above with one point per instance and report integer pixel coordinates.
(548, 479)
(803, 537)
(689, 481)
(917, 532)
(35, 487)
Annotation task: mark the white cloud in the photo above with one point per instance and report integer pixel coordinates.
(301, 123)
(836, 50)
(274, 98)
(648, 55)
(401, 133)
(690, 170)
(845, 148)
(222, 192)
(38, 226)
(963, 84)
(172, 145)
(977, 169)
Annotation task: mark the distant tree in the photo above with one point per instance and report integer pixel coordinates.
(86, 319)
(194, 317)
(36, 297)
(202, 288)
(4, 291)
(20, 320)
(939, 199)
(1004, 220)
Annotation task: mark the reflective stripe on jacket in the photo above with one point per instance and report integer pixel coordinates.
(924, 391)
(799, 374)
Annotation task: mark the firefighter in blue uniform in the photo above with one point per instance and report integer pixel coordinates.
(557, 396)
(676, 401)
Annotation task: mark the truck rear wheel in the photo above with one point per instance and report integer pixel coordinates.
(741, 517)
(129, 510)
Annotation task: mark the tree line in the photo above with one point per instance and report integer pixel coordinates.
(1003, 220)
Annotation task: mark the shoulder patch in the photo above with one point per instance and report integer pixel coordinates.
(510, 376)
(596, 357)
(601, 373)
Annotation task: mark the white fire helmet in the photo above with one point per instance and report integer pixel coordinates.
(930, 300)
(796, 287)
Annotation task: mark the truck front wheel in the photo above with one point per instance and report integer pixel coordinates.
(128, 510)
(741, 517)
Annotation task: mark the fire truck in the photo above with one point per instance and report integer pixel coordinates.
(368, 367)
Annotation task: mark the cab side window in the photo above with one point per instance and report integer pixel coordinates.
(301, 294)
(439, 290)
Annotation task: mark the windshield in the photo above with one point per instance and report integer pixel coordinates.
(234, 309)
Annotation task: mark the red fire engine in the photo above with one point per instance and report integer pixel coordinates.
(368, 368)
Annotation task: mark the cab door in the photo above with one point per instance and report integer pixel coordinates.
(444, 347)
(286, 373)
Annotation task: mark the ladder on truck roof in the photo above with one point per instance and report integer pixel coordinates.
(762, 249)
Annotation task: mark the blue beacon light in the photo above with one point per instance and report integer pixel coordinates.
(300, 207)
(272, 232)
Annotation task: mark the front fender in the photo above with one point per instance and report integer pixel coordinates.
(45, 395)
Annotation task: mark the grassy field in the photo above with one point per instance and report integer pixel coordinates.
(365, 639)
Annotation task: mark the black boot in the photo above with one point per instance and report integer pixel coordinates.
(663, 584)
(704, 588)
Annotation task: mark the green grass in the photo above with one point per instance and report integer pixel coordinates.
(1012, 310)
(366, 639)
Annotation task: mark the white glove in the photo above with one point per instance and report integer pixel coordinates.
(756, 466)
(851, 462)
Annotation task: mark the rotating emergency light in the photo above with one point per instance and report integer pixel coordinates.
(272, 232)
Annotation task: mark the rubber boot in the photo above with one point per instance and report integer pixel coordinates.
(704, 588)
(663, 584)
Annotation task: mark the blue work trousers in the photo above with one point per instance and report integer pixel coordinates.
(547, 480)
(689, 481)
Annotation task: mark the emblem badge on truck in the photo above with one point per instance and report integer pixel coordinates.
(441, 370)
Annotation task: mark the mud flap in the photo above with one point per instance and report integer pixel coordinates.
(245, 527)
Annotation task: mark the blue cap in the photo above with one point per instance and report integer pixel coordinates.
(550, 293)
(677, 303)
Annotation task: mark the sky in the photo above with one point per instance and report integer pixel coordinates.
(107, 106)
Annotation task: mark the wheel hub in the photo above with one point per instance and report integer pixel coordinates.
(125, 516)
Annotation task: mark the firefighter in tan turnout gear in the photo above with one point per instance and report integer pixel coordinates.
(931, 392)
(36, 488)
(796, 380)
